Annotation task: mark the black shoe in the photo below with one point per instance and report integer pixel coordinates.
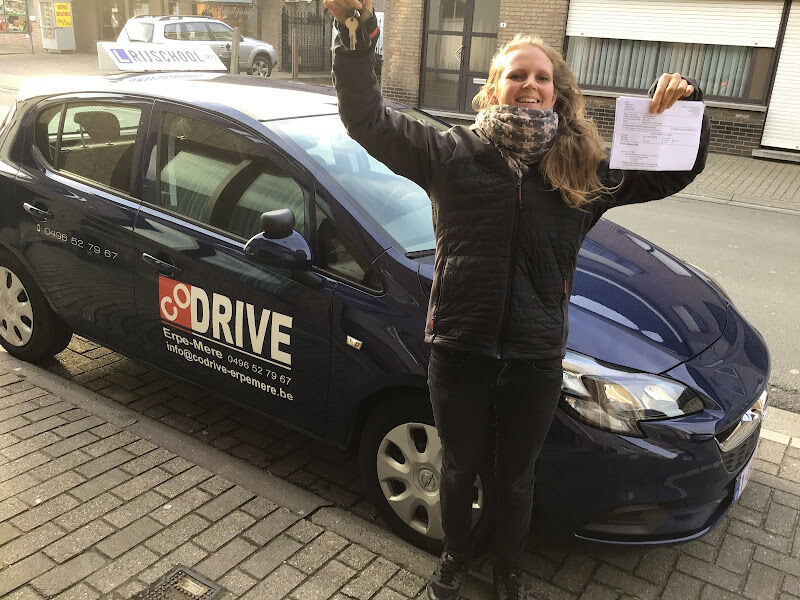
(447, 578)
(508, 585)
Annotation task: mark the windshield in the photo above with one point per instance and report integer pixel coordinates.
(398, 205)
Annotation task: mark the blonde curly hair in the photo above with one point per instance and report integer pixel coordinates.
(571, 164)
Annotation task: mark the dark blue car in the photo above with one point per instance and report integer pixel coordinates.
(227, 230)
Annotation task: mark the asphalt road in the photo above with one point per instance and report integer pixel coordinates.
(754, 254)
(6, 100)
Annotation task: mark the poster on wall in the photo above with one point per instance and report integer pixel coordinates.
(13, 16)
(63, 14)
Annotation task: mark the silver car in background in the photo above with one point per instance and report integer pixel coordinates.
(255, 57)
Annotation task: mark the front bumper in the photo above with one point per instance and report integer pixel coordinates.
(653, 492)
(677, 481)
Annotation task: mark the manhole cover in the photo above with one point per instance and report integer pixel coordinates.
(180, 584)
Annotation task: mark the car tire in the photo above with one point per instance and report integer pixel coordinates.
(400, 431)
(262, 66)
(29, 329)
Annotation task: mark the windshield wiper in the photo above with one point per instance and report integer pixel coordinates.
(420, 253)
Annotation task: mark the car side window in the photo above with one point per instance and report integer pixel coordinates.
(336, 253)
(221, 32)
(195, 32)
(96, 142)
(46, 132)
(220, 178)
(172, 31)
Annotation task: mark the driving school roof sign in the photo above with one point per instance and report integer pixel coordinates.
(139, 57)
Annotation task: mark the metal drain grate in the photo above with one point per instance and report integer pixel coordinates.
(180, 584)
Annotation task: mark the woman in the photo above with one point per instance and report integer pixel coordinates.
(513, 198)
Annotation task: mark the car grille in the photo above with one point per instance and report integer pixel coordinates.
(738, 441)
(736, 458)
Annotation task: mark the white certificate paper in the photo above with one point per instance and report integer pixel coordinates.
(656, 142)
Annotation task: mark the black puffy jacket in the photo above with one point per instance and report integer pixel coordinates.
(506, 249)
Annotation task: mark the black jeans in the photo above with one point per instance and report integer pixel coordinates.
(464, 389)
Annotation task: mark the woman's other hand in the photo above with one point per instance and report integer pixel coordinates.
(671, 88)
(343, 9)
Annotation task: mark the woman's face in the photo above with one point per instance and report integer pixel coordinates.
(526, 80)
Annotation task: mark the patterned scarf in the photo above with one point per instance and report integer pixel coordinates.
(521, 135)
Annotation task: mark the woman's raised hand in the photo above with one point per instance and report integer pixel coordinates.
(671, 88)
(343, 9)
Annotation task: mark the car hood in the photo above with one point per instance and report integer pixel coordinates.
(255, 42)
(634, 304)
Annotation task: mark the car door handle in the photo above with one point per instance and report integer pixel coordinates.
(161, 265)
(38, 213)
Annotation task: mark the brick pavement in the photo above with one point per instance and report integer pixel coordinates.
(100, 494)
(748, 181)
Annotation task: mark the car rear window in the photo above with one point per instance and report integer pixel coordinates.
(399, 205)
(138, 31)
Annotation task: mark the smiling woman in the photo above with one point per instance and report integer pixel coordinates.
(513, 198)
(526, 79)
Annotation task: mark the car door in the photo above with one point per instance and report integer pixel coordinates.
(197, 32)
(77, 201)
(257, 334)
(223, 35)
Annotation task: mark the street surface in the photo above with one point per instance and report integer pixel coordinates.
(753, 253)
(6, 100)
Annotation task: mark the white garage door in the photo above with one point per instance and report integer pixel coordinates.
(726, 23)
(782, 129)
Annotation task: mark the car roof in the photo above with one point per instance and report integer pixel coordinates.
(261, 99)
(167, 18)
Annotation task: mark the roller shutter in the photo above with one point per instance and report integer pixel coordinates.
(782, 128)
(720, 22)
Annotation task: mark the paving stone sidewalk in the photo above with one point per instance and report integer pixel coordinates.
(89, 509)
(98, 500)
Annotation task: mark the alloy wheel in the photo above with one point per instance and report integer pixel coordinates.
(261, 68)
(16, 313)
(409, 466)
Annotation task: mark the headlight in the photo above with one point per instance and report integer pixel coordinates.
(616, 400)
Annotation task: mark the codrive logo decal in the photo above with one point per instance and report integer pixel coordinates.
(237, 325)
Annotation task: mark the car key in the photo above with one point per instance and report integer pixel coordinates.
(352, 25)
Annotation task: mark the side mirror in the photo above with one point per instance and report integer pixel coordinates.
(277, 224)
(279, 245)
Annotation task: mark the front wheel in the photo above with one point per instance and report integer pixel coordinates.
(29, 329)
(262, 66)
(400, 456)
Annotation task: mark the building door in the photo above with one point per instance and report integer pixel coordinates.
(782, 127)
(460, 40)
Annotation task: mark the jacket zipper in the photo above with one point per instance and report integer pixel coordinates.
(565, 305)
(507, 300)
(435, 314)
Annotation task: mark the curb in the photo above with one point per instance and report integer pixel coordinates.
(713, 200)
